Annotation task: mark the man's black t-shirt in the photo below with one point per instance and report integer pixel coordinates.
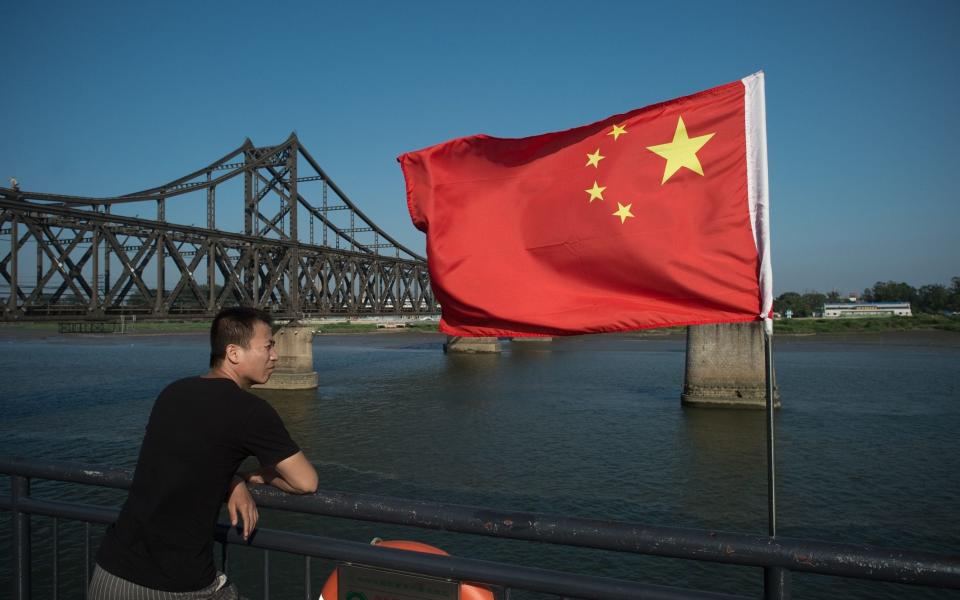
(199, 432)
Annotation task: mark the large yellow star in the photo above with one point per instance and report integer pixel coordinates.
(594, 159)
(623, 212)
(618, 130)
(681, 152)
(596, 191)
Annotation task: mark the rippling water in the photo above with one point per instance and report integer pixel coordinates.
(588, 426)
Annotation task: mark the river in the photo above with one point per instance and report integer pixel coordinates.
(867, 443)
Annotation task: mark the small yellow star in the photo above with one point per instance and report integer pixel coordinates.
(623, 212)
(594, 159)
(596, 191)
(618, 130)
(681, 152)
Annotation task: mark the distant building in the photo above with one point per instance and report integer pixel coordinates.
(867, 309)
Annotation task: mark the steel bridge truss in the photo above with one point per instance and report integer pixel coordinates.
(91, 263)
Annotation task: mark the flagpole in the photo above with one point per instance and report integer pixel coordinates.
(771, 465)
(775, 582)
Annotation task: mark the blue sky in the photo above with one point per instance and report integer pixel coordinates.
(862, 100)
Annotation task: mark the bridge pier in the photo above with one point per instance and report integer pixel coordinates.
(471, 345)
(295, 360)
(726, 367)
(531, 339)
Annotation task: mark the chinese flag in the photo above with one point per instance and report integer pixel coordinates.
(651, 218)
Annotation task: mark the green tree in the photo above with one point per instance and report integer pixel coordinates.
(188, 299)
(932, 298)
(787, 301)
(136, 298)
(894, 291)
(812, 302)
(953, 302)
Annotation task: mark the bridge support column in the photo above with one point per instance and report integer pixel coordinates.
(471, 345)
(295, 360)
(725, 367)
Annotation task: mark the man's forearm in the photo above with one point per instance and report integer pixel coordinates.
(270, 476)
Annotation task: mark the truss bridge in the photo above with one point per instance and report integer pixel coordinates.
(279, 235)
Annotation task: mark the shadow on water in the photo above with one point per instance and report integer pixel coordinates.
(299, 409)
(470, 365)
(724, 458)
(525, 355)
(284, 396)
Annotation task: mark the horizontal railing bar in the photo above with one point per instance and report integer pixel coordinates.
(812, 556)
(67, 471)
(463, 569)
(86, 513)
(827, 558)
(467, 569)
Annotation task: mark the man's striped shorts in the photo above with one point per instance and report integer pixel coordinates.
(107, 586)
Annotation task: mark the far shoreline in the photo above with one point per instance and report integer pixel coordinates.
(941, 330)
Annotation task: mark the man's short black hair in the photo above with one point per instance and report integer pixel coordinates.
(234, 326)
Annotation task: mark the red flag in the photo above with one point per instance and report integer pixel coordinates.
(651, 218)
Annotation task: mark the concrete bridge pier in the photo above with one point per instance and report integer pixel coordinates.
(295, 360)
(726, 367)
(471, 345)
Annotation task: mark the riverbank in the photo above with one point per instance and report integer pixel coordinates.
(141, 328)
(867, 325)
(786, 327)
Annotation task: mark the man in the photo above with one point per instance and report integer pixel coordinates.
(200, 430)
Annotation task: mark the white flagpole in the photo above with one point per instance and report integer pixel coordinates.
(774, 578)
(771, 465)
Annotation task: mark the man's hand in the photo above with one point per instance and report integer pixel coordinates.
(240, 504)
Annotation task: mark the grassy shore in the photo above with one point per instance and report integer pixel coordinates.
(161, 327)
(364, 327)
(782, 326)
(867, 325)
(145, 327)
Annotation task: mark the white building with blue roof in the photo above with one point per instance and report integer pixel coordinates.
(867, 309)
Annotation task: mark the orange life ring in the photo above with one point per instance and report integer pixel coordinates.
(468, 591)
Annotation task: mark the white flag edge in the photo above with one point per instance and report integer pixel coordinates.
(758, 187)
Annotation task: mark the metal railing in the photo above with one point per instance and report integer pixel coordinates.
(774, 555)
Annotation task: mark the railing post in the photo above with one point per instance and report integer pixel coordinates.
(20, 488)
(776, 583)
